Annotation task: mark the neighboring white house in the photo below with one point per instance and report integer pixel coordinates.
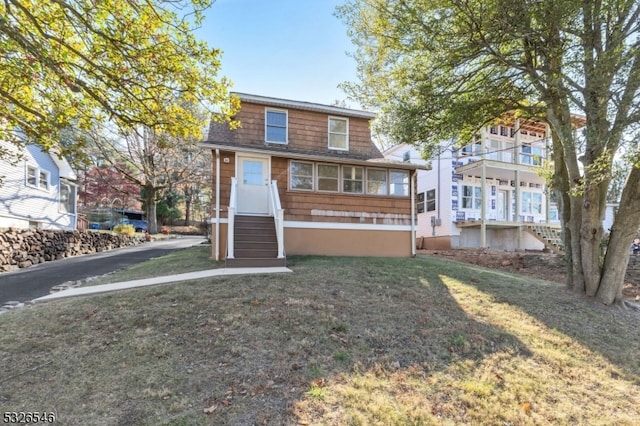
(37, 191)
(486, 194)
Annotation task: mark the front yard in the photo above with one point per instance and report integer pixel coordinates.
(341, 341)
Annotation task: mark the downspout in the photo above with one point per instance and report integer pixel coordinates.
(413, 213)
(217, 205)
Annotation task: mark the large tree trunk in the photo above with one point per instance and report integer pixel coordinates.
(150, 201)
(624, 229)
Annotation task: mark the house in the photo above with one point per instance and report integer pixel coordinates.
(37, 189)
(489, 193)
(299, 178)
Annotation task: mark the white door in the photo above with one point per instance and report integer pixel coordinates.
(502, 205)
(253, 181)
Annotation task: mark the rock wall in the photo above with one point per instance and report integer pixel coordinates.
(20, 248)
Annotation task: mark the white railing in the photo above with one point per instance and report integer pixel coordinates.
(278, 215)
(231, 217)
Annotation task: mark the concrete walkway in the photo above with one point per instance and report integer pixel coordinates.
(104, 288)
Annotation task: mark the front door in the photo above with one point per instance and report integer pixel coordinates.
(502, 205)
(253, 181)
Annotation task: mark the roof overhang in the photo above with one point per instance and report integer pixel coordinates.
(307, 106)
(374, 162)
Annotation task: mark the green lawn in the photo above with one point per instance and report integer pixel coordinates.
(341, 341)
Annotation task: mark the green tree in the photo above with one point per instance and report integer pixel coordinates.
(75, 63)
(443, 68)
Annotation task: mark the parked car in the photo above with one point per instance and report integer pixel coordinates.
(139, 225)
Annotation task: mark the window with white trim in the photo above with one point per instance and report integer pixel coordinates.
(32, 176)
(339, 133)
(328, 177)
(399, 182)
(67, 198)
(301, 176)
(531, 202)
(376, 182)
(276, 126)
(352, 179)
(471, 197)
(37, 178)
(43, 180)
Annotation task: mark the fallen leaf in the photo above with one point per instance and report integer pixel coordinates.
(226, 402)
(210, 409)
(526, 406)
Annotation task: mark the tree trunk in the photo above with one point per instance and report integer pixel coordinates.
(590, 239)
(150, 201)
(624, 229)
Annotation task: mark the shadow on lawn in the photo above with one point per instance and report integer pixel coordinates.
(612, 332)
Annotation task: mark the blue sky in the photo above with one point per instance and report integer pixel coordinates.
(291, 49)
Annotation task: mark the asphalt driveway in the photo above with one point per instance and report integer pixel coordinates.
(36, 281)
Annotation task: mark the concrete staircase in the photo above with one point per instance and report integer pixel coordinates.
(256, 243)
(549, 235)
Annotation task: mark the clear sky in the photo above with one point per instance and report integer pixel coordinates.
(291, 49)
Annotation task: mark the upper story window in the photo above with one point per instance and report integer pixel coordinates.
(37, 178)
(339, 133)
(276, 126)
(32, 176)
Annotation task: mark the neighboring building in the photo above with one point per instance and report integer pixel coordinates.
(305, 179)
(488, 193)
(36, 191)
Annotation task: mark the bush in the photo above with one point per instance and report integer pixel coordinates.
(124, 229)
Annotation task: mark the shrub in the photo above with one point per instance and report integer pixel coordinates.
(124, 229)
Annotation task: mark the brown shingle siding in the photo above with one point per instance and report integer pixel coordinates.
(308, 132)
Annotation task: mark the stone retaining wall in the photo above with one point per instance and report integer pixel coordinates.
(20, 248)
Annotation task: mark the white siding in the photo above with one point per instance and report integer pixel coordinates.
(22, 205)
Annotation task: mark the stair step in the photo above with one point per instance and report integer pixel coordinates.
(255, 263)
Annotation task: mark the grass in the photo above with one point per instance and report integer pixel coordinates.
(341, 341)
(178, 262)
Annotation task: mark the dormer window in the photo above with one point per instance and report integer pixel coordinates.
(338, 133)
(276, 126)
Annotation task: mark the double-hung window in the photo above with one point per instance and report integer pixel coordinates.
(420, 202)
(328, 177)
(339, 133)
(352, 179)
(376, 182)
(431, 200)
(301, 175)
(276, 126)
(32, 176)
